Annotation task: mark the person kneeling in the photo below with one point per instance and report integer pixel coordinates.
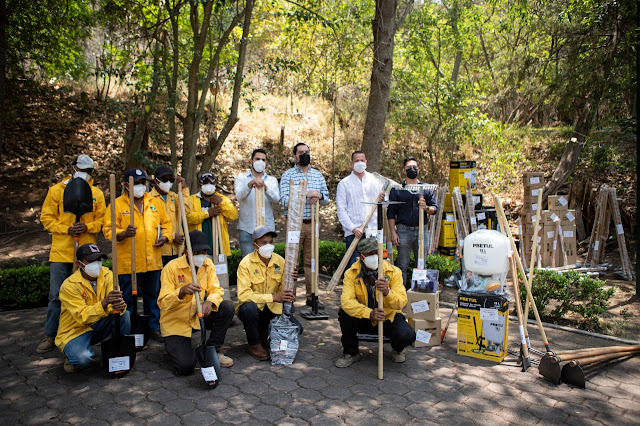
(260, 292)
(359, 312)
(87, 301)
(177, 303)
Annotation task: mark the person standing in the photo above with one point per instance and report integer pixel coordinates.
(88, 301)
(317, 192)
(149, 214)
(63, 228)
(208, 204)
(353, 192)
(245, 185)
(178, 316)
(161, 191)
(404, 218)
(359, 311)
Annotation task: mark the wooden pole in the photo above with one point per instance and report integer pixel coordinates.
(114, 234)
(180, 230)
(132, 209)
(380, 301)
(534, 246)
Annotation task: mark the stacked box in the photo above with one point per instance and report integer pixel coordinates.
(483, 325)
(461, 173)
(423, 313)
(533, 183)
(558, 208)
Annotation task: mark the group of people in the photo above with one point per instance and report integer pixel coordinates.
(83, 302)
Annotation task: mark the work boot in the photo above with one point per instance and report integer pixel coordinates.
(346, 360)
(225, 361)
(398, 356)
(45, 345)
(259, 352)
(320, 305)
(69, 368)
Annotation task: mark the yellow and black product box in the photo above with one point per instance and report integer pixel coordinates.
(461, 173)
(428, 333)
(448, 252)
(447, 231)
(488, 217)
(483, 325)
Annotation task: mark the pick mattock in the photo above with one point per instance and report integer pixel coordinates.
(529, 282)
(314, 313)
(525, 360)
(505, 225)
(573, 372)
(139, 322)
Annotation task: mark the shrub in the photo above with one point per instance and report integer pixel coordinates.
(25, 287)
(446, 266)
(558, 294)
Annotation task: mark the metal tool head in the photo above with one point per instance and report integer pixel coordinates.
(549, 369)
(77, 197)
(573, 375)
(525, 362)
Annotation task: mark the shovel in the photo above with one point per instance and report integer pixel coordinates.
(314, 313)
(207, 355)
(119, 351)
(77, 199)
(139, 323)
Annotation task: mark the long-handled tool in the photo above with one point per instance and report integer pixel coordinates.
(220, 259)
(77, 199)
(139, 323)
(525, 359)
(505, 225)
(416, 282)
(573, 373)
(207, 355)
(314, 313)
(380, 297)
(260, 212)
(118, 351)
(179, 224)
(446, 327)
(535, 246)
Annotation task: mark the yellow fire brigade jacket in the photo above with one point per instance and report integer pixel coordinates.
(228, 213)
(258, 282)
(172, 207)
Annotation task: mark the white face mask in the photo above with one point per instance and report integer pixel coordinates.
(359, 166)
(92, 269)
(139, 190)
(208, 189)
(165, 186)
(259, 166)
(198, 260)
(266, 251)
(81, 175)
(371, 262)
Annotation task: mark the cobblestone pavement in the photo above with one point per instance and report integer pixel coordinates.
(433, 386)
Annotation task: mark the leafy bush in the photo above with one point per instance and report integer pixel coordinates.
(558, 294)
(25, 287)
(446, 266)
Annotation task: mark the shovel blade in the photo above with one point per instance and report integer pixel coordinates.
(77, 197)
(549, 370)
(118, 355)
(209, 365)
(140, 331)
(573, 375)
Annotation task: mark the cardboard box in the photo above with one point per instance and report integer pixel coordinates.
(425, 306)
(531, 195)
(483, 326)
(427, 332)
(558, 202)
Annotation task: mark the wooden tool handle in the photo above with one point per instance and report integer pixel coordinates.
(516, 295)
(260, 213)
(192, 266)
(600, 358)
(525, 313)
(219, 233)
(132, 209)
(380, 297)
(180, 230)
(420, 260)
(582, 353)
(114, 232)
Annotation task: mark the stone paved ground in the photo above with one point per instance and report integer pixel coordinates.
(432, 386)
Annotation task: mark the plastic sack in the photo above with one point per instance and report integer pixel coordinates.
(486, 262)
(284, 340)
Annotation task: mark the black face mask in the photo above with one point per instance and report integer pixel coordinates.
(304, 159)
(412, 173)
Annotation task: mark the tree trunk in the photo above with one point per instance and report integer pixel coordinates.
(3, 61)
(384, 30)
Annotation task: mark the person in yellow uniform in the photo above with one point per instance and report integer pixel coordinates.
(359, 312)
(208, 204)
(88, 301)
(162, 183)
(260, 290)
(63, 228)
(149, 214)
(178, 314)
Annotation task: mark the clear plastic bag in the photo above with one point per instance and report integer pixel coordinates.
(284, 340)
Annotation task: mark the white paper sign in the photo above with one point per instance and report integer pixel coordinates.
(520, 229)
(476, 199)
(596, 245)
(568, 234)
(619, 229)
(119, 364)
(221, 269)
(555, 245)
(534, 192)
(487, 314)
(450, 218)
(419, 275)
(480, 260)
(317, 230)
(209, 374)
(533, 218)
(467, 175)
(563, 201)
(263, 213)
(421, 306)
(534, 207)
(472, 220)
(553, 217)
(293, 237)
(551, 234)
(522, 338)
(423, 336)
(420, 264)
(381, 236)
(284, 345)
(221, 258)
(481, 216)
(534, 180)
(313, 265)
(139, 339)
(570, 216)
(461, 242)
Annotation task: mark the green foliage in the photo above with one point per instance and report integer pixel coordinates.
(557, 294)
(446, 266)
(25, 287)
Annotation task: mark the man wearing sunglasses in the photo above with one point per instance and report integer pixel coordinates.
(162, 183)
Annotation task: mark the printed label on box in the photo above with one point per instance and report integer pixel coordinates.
(551, 234)
(554, 217)
(534, 180)
(450, 218)
(567, 234)
(472, 220)
(293, 237)
(481, 216)
(487, 314)
(467, 175)
(534, 207)
(563, 201)
(209, 374)
(120, 363)
(420, 306)
(423, 336)
(221, 269)
(619, 229)
(534, 192)
(570, 216)
(419, 275)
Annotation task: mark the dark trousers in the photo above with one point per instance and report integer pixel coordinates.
(181, 353)
(255, 321)
(399, 332)
(149, 283)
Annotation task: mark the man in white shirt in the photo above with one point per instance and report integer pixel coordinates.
(353, 192)
(245, 185)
